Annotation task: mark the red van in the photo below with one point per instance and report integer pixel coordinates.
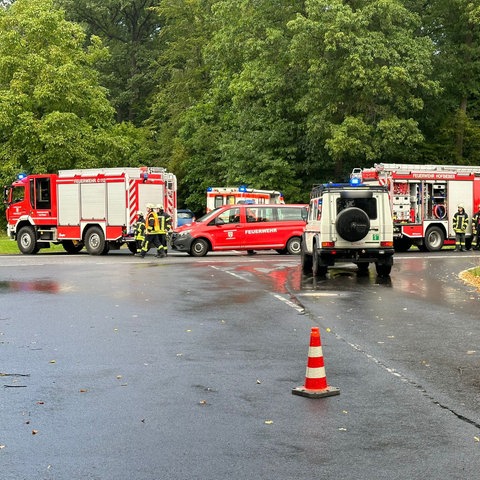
(244, 227)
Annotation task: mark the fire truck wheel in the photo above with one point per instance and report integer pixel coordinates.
(95, 241)
(352, 224)
(383, 270)
(434, 239)
(26, 241)
(132, 247)
(402, 244)
(294, 246)
(70, 247)
(199, 248)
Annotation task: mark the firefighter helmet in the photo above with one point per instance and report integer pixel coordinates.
(159, 206)
(460, 205)
(140, 214)
(150, 205)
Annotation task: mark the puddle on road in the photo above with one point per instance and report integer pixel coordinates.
(41, 286)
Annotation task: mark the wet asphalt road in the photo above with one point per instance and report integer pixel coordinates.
(120, 368)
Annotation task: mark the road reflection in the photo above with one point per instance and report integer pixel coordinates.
(42, 286)
(289, 278)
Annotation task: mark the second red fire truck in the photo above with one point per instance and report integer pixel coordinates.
(91, 208)
(424, 199)
(219, 196)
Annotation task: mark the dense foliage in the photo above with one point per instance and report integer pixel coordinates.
(271, 93)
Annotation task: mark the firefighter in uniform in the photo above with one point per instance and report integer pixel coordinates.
(460, 223)
(139, 231)
(165, 224)
(152, 231)
(476, 229)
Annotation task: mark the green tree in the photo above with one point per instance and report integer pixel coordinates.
(453, 124)
(129, 28)
(55, 115)
(240, 126)
(182, 79)
(369, 72)
(256, 88)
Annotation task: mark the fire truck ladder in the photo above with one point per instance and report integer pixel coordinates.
(407, 168)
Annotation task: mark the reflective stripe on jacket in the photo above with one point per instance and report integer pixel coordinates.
(475, 222)
(460, 222)
(165, 222)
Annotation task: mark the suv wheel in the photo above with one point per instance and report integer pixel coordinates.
(306, 261)
(352, 224)
(317, 269)
(383, 270)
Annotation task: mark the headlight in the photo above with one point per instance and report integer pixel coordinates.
(184, 233)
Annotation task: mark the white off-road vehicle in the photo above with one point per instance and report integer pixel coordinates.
(348, 223)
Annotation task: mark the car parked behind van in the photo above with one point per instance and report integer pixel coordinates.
(184, 216)
(244, 227)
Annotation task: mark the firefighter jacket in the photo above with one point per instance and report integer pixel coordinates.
(460, 222)
(151, 224)
(476, 222)
(165, 222)
(139, 229)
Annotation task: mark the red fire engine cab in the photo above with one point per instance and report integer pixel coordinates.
(91, 208)
(424, 199)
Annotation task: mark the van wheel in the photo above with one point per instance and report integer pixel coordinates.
(132, 246)
(199, 248)
(383, 270)
(294, 246)
(95, 241)
(26, 241)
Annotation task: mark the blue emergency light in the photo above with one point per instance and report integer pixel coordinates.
(355, 181)
(21, 176)
(242, 188)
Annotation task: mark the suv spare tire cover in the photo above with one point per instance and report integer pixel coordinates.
(352, 224)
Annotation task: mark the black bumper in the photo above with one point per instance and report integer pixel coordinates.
(181, 243)
(329, 256)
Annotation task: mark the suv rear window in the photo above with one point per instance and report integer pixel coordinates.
(368, 205)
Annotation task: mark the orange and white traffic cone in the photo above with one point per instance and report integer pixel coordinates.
(316, 385)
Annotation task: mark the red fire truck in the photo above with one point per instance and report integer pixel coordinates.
(219, 196)
(95, 208)
(424, 199)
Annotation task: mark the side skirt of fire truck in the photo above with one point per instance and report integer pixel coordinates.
(429, 236)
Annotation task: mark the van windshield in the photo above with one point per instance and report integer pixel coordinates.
(208, 216)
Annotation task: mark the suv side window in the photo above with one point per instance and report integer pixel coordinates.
(368, 205)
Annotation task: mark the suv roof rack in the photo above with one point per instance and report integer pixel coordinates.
(318, 189)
